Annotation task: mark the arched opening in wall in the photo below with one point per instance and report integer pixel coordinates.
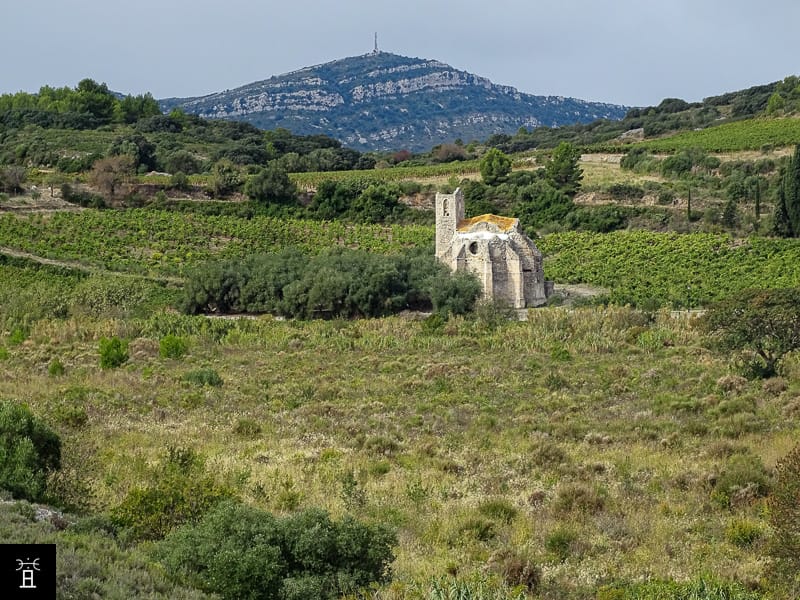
(473, 248)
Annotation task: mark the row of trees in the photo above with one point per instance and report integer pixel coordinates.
(340, 283)
(787, 207)
(87, 106)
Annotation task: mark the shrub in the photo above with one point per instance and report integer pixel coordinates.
(29, 451)
(743, 478)
(101, 296)
(456, 294)
(560, 542)
(580, 497)
(499, 509)
(743, 533)
(433, 324)
(172, 346)
(55, 368)
(113, 352)
(547, 454)
(515, 569)
(179, 491)
(247, 428)
(179, 181)
(784, 545)
(203, 377)
(241, 552)
(625, 191)
(71, 416)
(473, 528)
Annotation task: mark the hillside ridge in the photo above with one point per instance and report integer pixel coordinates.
(384, 101)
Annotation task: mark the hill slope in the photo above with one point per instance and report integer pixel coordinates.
(382, 101)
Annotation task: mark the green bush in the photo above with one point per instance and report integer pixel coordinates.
(179, 491)
(17, 336)
(242, 552)
(29, 451)
(499, 509)
(55, 368)
(113, 352)
(784, 545)
(742, 479)
(580, 497)
(203, 377)
(560, 542)
(172, 346)
(743, 533)
(247, 427)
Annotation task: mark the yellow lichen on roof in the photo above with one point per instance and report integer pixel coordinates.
(505, 224)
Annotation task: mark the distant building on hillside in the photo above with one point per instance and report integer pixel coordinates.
(506, 261)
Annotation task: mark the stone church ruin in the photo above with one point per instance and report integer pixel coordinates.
(505, 260)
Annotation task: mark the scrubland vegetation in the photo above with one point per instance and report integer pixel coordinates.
(573, 455)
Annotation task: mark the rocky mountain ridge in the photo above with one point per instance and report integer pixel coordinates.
(383, 101)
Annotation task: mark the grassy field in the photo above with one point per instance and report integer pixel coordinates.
(586, 441)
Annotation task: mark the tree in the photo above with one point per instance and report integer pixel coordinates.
(94, 99)
(271, 185)
(141, 151)
(377, 204)
(730, 214)
(109, 174)
(54, 180)
(495, 167)
(775, 104)
(182, 161)
(787, 208)
(226, 178)
(133, 108)
(12, 177)
(29, 451)
(764, 323)
(562, 169)
(540, 203)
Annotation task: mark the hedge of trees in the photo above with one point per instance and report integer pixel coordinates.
(341, 283)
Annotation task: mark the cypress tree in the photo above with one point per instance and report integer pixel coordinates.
(787, 208)
(792, 192)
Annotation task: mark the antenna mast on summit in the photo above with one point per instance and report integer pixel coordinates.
(375, 51)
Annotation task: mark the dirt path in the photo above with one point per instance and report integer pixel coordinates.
(76, 266)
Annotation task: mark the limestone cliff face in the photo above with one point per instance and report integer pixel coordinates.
(382, 101)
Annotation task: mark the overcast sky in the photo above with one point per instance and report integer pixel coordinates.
(633, 52)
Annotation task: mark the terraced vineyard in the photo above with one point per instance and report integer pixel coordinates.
(750, 134)
(156, 242)
(680, 270)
